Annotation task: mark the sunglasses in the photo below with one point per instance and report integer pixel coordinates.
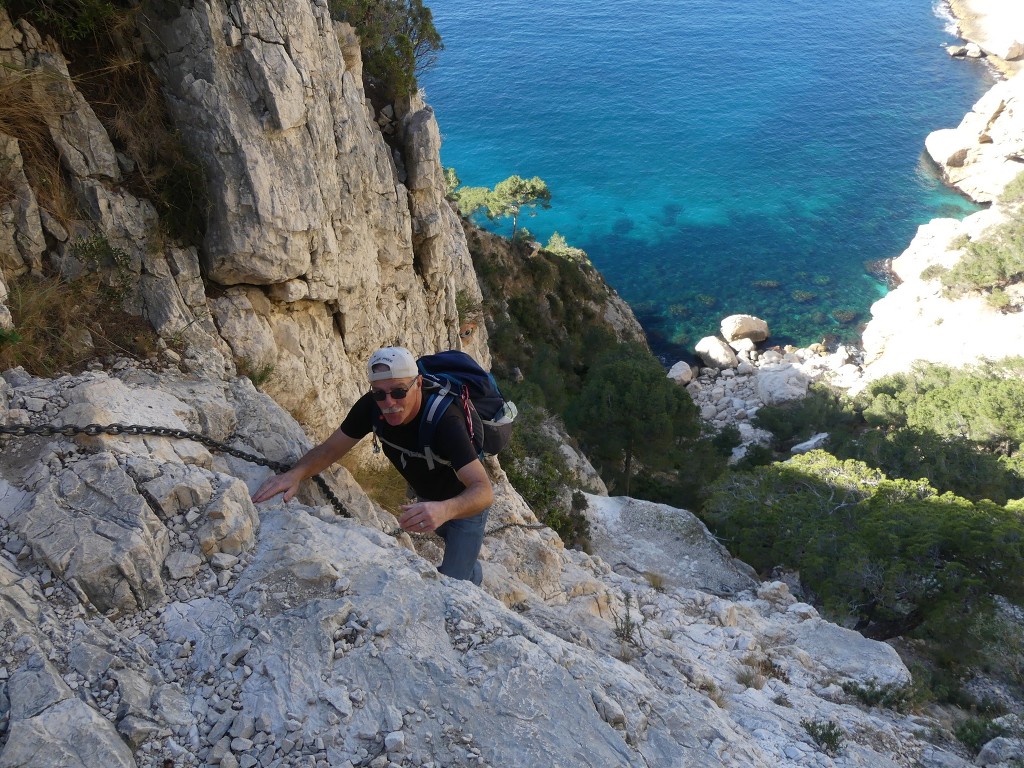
(398, 393)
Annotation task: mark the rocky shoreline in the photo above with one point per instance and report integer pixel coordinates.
(914, 321)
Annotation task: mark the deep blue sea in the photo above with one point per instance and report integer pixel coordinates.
(712, 156)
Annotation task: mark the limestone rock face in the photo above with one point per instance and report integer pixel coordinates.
(324, 638)
(90, 525)
(51, 726)
(915, 322)
(353, 251)
(736, 327)
(330, 240)
(983, 154)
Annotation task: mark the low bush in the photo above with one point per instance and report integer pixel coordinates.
(826, 734)
(538, 471)
(975, 732)
(902, 698)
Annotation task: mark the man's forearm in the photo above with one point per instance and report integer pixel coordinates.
(472, 501)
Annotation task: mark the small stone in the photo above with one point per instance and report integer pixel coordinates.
(395, 741)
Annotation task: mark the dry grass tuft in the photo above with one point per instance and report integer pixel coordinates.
(27, 104)
(51, 315)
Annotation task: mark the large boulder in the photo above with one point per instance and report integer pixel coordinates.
(716, 353)
(681, 373)
(736, 327)
(982, 154)
(781, 383)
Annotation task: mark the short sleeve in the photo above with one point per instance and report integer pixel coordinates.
(359, 421)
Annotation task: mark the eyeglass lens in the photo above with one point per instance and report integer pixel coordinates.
(398, 393)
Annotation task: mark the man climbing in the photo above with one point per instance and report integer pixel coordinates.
(453, 495)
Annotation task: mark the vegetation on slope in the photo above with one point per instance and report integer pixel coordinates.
(553, 350)
(993, 263)
(398, 40)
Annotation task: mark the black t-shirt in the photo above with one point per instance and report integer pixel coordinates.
(451, 442)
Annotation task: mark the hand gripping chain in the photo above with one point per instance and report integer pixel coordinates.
(92, 430)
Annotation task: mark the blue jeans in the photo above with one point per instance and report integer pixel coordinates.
(462, 541)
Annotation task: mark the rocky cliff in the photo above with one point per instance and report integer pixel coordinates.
(980, 157)
(322, 241)
(149, 612)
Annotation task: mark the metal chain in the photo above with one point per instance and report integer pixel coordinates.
(92, 430)
(488, 532)
(48, 430)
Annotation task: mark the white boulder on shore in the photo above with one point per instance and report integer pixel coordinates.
(984, 153)
(715, 353)
(737, 327)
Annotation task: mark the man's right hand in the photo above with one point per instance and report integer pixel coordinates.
(275, 484)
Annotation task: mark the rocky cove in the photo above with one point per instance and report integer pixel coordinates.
(914, 321)
(153, 616)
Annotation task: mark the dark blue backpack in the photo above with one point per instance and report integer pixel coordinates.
(454, 379)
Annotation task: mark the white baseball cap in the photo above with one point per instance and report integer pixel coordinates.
(399, 362)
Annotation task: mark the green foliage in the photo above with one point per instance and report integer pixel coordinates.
(976, 732)
(934, 272)
(114, 265)
(508, 199)
(957, 427)
(902, 698)
(826, 734)
(891, 554)
(957, 243)
(995, 261)
(69, 20)
(470, 310)
(628, 410)
(398, 40)
(628, 628)
(981, 403)
(1014, 191)
(538, 471)
(258, 373)
(558, 246)
(1002, 643)
(451, 182)
(822, 410)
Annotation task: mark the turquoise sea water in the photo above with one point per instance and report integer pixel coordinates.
(702, 151)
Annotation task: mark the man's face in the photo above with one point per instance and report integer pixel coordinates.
(397, 410)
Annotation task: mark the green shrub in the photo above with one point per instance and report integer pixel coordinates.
(538, 471)
(998, 299)
(1014, 191)
(70, 21)
(826, 734)
(902, 698)
(822, 410)
(933, 272)
(892, 555)
(994, 261)
(976, 732)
